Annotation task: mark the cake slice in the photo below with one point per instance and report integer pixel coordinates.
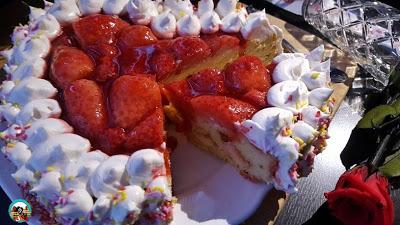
(240, 116)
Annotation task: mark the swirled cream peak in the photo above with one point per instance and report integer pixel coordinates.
(9, 111)
(115, 7)
(179, 8)
(161, 184)
(313, 116)
(38, 110)
(101, 209)
(75, 203)
(257, 27)
(188, 25)
(143, 165)
(290, 69)
(319, 96)
(303, 131)
(205, 6)
(20, 33)
(41, 130)
(66, 11)
(49, 186)
(57, 151)
(88, 7)
(225, 7)
(18, 153)
(77, 173)
(210, 22)
(128, 201)
(35, 13)
(6, 88)
(315, 79)
(142, 11)
(30, 89)
(47, 24)
(30, 68)
(289, 94)
(232, 23)
(109, 176)
(164, 25)
(30, 48)
(24, 176)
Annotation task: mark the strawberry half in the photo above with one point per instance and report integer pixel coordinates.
(257, 98)
(134, 60)
(190, 49)
(135, 36)
(222, 110)
(246, 73)
(209, 81)
(149, 133)
(218, 42)
(85, 108)
(69, 64)
(132, 98)
(98, 29)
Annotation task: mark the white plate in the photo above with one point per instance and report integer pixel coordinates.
(209, 191)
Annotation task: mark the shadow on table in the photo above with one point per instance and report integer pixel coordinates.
(268, 210)
(323, 216)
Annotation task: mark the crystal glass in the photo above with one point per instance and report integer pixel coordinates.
(368, 30)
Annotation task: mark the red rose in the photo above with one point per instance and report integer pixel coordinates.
(361, 200)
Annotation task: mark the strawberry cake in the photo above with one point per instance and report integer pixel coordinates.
(91, 84)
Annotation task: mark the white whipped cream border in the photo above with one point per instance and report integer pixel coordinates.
(28, 107)
(301, 88)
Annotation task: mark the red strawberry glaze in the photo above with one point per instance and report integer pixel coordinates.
(222, 110)
(111, 94)
(246, 73)
(211, 92)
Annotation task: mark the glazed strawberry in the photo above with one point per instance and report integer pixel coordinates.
(179, 93)
(219, 42)
(110, 140)
(209, 81)
(257, 98)
(98, 29)
(62, 40)
(135, 36)
(162, 64)
(85, 108)
(69, 64)
(106, 68)
(132, 98)
(134, 60)
(149, 133)
(190, 49)
(246, 73)
(99, 50)
(222, 110)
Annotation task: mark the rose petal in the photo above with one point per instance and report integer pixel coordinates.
(355, 176)
(355, 207)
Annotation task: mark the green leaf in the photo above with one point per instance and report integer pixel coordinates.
(391, 167)
(376, 116)
(396, 105)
